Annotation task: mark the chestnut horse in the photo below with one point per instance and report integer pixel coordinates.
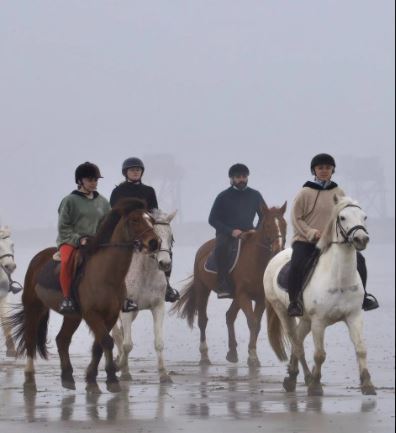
(101, 292)
(257, 249)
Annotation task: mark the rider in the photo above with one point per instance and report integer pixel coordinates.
(133, 170)
(310, 214)
(80, 214)
(233, 213)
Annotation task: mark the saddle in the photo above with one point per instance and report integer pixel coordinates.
(283, 276)
(49, 275)
(232, 258)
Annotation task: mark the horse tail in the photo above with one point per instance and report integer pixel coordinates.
(276, 335)
(19, 325)
(30, 320)
(186, 307)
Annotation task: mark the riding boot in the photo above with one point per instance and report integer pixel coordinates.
(225, 288)
(172, 295)
(128, 306)
(370, 301)
(67, 306)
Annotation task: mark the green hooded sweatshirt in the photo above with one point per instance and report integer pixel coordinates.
(80, 216)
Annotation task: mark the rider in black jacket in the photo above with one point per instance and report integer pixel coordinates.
(233, 213)
(133, 169)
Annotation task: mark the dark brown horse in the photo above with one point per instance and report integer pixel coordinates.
(257, 249)
(101, 292)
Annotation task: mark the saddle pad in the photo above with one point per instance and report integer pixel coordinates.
(232, 260)
(283, 277)
(49, 278)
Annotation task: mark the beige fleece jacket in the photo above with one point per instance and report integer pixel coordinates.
(311, 211)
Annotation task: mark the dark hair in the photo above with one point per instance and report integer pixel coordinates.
(238, 169)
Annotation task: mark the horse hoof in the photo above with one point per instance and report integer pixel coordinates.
(69, 384)
(126, 377)
(315, 391)
(289, 384)
(165, 379)
(254, 363)
(232, 357)
(29, 387)
(369, 390)
(205, 362)
(93, 388)
(113, 387)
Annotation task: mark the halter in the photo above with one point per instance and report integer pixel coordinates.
(350, 234)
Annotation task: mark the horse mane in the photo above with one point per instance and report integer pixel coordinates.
(108, 225)
(327, 235)
(5, 232)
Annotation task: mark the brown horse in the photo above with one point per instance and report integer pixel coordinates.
(101, 292)
(257, 249)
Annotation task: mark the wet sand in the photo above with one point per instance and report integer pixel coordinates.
(223, 397)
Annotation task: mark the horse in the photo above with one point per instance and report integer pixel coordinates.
(333, 293)
(146, 284)
(7, 267)
(256, 250)
(101, 291)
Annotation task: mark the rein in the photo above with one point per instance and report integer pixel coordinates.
(136, 243)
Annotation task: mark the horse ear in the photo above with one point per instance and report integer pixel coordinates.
(171, 216)
(336, 199)
(283, 208)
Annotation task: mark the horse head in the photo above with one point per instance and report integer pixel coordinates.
(163, 230)
(6, 251)
(273, 227)
(351, 223)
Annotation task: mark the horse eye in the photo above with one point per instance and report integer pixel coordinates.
(365, 218)
(342, 218)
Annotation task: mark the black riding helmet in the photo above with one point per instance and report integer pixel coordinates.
(237, 170)
(87, 169)
(130, 163)
(322, 159)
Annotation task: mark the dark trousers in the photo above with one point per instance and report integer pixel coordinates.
(303, 255)
(222, 248)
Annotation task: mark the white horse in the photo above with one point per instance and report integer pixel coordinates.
(7, 267)
(333, 293)
(146, 284)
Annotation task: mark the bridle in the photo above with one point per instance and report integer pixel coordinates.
(350, 234)
(136, 243)
(165, 250)
(14, 286)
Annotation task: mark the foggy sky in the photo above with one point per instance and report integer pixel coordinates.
(267, 83)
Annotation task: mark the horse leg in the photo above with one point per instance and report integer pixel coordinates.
(127, 344)
(10, 346)
(231, 316)
(246, 306)
(63, 340)
(202, 305)
(258, 312)
(117, 335)
(355, 326)
(92, 370)
(303, 329)
(158, 317)
(318, 330)
(101, 330)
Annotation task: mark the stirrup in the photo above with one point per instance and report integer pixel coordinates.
(129, 306)
(224, 295)
(171, 295)
(67, 306)
(370, 302)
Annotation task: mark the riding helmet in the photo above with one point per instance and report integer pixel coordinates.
(87, 169)
(322, 159)
(238, 170)
(130, 163)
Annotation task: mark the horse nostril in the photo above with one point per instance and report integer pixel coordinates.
(153, 245)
